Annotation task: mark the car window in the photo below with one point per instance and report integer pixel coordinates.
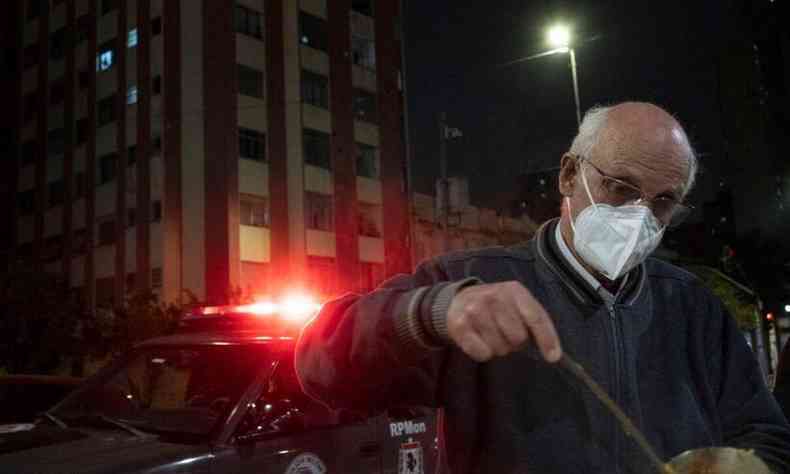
(186, 389)
(282, 407)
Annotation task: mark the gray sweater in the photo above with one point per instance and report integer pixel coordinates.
(665, 349)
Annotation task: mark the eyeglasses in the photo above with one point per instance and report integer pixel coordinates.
(617, 192)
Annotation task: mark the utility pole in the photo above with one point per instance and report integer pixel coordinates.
(444, 183)
(445, 133)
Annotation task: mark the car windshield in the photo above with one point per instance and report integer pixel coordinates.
(186, 390)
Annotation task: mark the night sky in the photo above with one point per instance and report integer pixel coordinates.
(521, 117)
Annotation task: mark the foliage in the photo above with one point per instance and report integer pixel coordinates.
(738, 302)
(39, 320)
(141, 317)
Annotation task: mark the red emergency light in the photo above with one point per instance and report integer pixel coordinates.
(294, 308)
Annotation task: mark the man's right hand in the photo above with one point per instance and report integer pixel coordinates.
(495, 319)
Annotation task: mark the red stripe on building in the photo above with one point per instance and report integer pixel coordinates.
(42, 130)
(119, 282)
(342, 144)
(68, 155)
(221, 151)
(391, 149)
(90, 165)
(171, 129)
(276, 140)
(143, 165)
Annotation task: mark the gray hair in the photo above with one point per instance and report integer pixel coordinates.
(590, 132)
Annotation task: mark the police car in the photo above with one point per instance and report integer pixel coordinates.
(220, 395)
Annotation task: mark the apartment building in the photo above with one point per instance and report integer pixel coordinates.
(210, 145)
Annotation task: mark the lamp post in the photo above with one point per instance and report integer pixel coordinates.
(559, 37)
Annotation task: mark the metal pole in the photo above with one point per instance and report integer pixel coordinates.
(575, 87)
(407, 139)
(444, 205)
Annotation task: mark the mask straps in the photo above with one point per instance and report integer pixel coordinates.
(589, 195)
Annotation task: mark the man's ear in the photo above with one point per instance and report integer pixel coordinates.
(568, 173)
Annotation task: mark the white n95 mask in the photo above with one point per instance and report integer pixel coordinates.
(613, 240)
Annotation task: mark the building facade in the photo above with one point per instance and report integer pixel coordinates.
(210, 145)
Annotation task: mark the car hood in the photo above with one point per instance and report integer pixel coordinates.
(50, 450)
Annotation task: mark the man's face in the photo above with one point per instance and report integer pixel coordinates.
(653, 160)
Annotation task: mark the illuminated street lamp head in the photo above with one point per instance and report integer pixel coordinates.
(559, 36)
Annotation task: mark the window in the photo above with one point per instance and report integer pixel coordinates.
(36, 7)
(131, 155)
(26, 202)
(52, 248)
(156, 211)
(316, 148)
(57, 44)
(254, 211)
(28, 152)
(131, 217)
(250, 81)
(57, 193)
(56, 140)
(130, 282)
(367, 161)
(83, 28)
(319, 212)
(156, 86)
(106, 56)
(107, 232)
(322, 275)
(369, 220)
(79, 185)
(156, 144)
(82, 130)
(84, 79)
(131, 95)
(363, 52)
(105, 292)
(315, 89)
(364, 7)
(252, 144)
(156, 278)
(57, 92)
(106, 111)
(108, 5)
(104, 61)
(247, 22)
(80, 243)
(30, 106)
(156, 26)
(313, 31)
(131, 38)
(107, 170)
(365, 106)
(30, 56)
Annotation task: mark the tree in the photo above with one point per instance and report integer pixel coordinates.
(39, 320)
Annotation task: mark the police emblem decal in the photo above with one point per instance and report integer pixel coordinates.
(410, 458)
(306, 463)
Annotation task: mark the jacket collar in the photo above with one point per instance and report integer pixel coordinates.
(549, 253)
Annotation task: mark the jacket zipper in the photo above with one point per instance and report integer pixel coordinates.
(617, 370)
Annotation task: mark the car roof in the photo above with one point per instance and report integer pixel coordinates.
(223, 338)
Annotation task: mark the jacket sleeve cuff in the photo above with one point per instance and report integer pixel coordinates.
(412, 336)
(437, 303)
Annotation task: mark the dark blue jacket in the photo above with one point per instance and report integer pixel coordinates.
(666, 351)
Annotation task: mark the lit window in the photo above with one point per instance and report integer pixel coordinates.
(104, 61)
(131, 95)
(131, 40)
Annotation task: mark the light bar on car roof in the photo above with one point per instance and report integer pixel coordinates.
(295, 308)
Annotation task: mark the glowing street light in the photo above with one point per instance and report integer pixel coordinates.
(787, 308)
(559, 37)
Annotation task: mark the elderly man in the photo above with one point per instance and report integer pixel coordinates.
(476, 332)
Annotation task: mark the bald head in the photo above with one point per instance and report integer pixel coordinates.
(641, 132)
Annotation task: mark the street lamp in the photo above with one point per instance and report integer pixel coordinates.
(787, 308)
(559, 37)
